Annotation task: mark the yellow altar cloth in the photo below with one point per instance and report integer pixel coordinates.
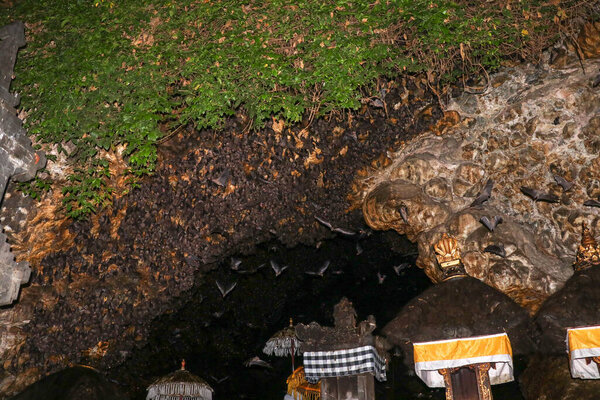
(433, 356)
(583, 344)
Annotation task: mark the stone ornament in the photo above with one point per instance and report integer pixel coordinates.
(448, 257)
(588, 253)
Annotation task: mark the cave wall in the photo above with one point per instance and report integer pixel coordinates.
(531, 123)
(97, 285)
(18, 160)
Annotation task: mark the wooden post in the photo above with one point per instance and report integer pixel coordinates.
(470, 382)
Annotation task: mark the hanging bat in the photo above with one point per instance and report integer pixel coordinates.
(596, 81)
(497, 249)
(327, 224)
(538, 195)
(276, 268)
(563, 183)
(403, 213)
(256, 362)
(321, 270)
(592, 203)
(491, 224)
(222, 179)
(225, 290)
(400, 267)
(484, 195)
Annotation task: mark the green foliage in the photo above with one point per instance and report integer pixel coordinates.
(101, 74)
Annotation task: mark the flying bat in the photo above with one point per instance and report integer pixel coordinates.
(321, 270)
(538, 195)
(359, 249)
(380, 277)
(497, 249)
(400, 267)
(250, 271)
(222, 179)
(225, 290)
(491, 224)
(235, 263)
(257, 362)
(276, 268)
(484, 195)
(592, 203)
(563, 183)
(327, 224)
(219, 380)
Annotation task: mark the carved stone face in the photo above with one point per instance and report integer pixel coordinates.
(344, 315)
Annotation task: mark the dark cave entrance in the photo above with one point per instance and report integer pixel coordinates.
(215, 335)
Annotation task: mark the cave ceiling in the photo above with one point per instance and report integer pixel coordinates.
(98, 285)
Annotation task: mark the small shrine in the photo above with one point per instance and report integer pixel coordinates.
(448, 257)
(466, 367)
(298, 388)
(344, 358)
(588, 252)
(180, 385)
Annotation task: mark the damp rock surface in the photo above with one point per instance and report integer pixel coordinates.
(97, 285)
(575, 305)
(458, 308)
(547, 377)
(532, 124)
(75, 383)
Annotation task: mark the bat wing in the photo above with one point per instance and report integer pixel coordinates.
(533, 193)
(487, 223)
(221, 288)
(592, 203)
(485, 193)
(274, 266)
(596, 81)
(565, 184)
(496, 249)
(222, 179)
(548, 197)
(230, 288)
(324, 267)
(235, 263)
(324, 223)
(404, 213)
(359, 249)
(344, 231)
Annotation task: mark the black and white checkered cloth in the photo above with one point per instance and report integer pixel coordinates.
(325, 364)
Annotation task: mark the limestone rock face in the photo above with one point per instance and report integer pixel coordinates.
(533, 123)
(18, 160)
(461, 307)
